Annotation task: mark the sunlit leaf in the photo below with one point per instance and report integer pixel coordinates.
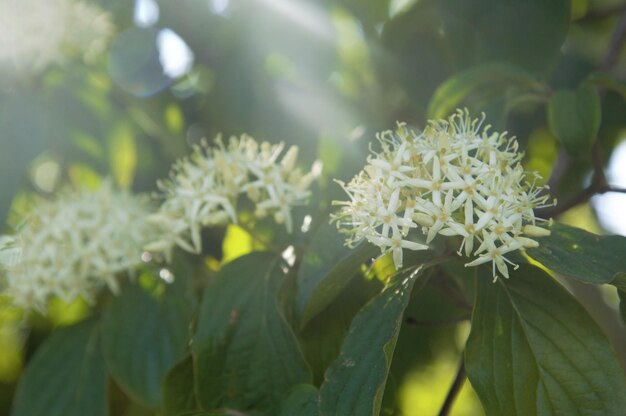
(355, 382)
(246, 355)
(66, 377)
(237, 242)
(123, 155)
(620, 283)
(534, 350)
(84, 176)
(174, 119)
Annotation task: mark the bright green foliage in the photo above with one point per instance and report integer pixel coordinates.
(67, 376)
(246, 355)
(534, 350)
(620, 283)
(143, 335)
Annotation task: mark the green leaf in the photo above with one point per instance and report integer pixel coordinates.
(66, 377)
(574, 118)
(502, 24)
(144, 336)
(323, 336)
(355, 382)
(246, 355)
(327, 268)
(483, 82)
(302, 401)
(587, 257)
(178, 389)
(534, 350)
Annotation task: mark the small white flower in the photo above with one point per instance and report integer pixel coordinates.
(73, 245)
(204, 189)
(456, 178)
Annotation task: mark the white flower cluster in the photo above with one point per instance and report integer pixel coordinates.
(456, 178)
(37, 33)
(73, 245)
(203, 189)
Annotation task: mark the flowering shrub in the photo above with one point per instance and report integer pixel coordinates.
(204, 188)
(455, 179)
(73, 245)
(426, 270)
(37, 34)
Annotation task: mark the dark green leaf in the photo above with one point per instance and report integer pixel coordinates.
(246, 355)
(534, 350)
(66, 377)
(608, 81)
(587, 257)
(502, 26)
(437, 38)
(482, 82)
(178, 389)
(355, 382)
(327, 268)
(323, 336)
(302, 401)
(143, 337)
(574, 118)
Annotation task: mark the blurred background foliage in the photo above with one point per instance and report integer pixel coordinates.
(325, 75)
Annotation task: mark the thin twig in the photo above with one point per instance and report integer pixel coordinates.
(455, 388)
(599, 183)
(560, 169)
(578, 199)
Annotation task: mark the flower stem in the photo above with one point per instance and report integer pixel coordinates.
(453, 393)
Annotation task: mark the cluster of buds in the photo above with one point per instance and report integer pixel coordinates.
(456, 178)
(73, 245)
(204, 188)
